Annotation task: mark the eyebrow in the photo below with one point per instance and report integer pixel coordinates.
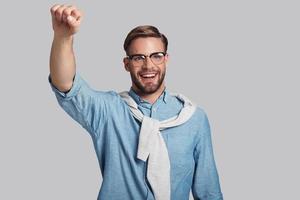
(139, 54)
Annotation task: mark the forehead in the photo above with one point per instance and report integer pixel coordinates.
(146, 45)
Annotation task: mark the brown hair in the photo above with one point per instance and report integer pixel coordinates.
(144, 31)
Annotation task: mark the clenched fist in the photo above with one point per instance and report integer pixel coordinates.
(65, 20)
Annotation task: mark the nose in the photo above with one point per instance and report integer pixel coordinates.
(148, 63)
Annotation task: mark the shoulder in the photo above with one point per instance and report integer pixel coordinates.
(200, 113)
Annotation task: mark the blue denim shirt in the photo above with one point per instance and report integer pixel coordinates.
(115, 133)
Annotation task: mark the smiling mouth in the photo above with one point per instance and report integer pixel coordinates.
(148, 75)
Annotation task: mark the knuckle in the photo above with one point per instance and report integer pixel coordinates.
(66, 11)
(60, 10)
(77, 13)
(54, 8)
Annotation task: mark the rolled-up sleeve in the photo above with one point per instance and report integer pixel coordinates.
(206, 184)
(83, 104)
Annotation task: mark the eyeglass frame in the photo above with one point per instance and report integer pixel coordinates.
(130, 57)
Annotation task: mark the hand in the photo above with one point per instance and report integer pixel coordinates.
(65, 20)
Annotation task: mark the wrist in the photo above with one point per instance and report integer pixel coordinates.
(63, 38)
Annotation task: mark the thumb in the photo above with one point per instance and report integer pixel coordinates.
(72, 21)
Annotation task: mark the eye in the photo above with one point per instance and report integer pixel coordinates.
(137, 58)
(157, 56)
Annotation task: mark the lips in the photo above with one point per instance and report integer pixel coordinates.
(148, 75)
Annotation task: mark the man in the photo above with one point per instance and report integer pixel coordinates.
(150, 144)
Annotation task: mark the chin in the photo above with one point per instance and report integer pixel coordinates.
(147, 86)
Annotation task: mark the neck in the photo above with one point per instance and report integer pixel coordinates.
(151, 98)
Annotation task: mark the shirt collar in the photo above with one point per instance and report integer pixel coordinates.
(165, 97)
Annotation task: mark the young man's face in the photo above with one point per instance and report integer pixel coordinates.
(147, 74)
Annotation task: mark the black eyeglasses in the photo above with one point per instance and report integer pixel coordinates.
(139, 59)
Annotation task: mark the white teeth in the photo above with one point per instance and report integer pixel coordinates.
(148, 75)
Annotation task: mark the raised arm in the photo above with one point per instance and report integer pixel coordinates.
(65, 22)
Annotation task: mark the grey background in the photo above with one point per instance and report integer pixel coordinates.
(238, 60)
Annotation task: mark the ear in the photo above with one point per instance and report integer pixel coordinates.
(126, 64)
